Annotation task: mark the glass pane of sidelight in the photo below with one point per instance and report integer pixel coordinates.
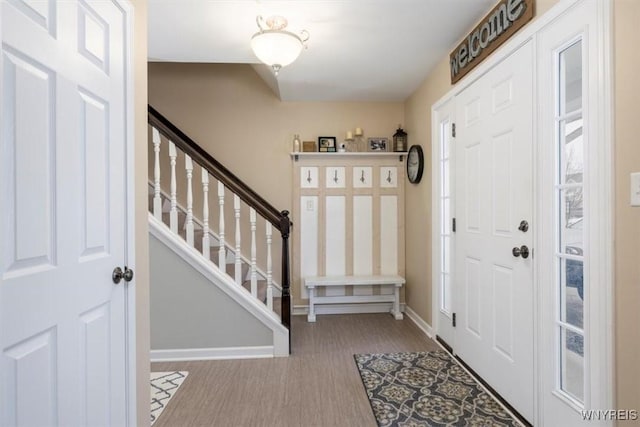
(445, 178)
(571, 220)
(572, 363)
(445, 132)
(572, 293)
(446, 257)
(571, 78)
(446, 293)
(571, 143)
(446, 217)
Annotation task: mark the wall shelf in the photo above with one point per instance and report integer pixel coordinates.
(359, 155)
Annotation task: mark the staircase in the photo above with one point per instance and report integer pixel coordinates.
(231, 255)
(181, 215)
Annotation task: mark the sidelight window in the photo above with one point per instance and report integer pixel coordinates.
(571, 280)
(445, 218)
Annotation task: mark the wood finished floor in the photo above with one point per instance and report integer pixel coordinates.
(318, 385)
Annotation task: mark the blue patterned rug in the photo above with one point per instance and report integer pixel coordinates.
(426, 389)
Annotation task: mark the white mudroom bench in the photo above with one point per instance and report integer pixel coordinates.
(312, 283)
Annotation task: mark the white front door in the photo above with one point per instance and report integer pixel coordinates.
(493, 193)
(63, 213)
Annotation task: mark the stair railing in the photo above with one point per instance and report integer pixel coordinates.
(178, 141)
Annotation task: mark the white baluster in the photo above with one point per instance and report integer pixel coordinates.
(157, 200)
(254, 274)
(206, 246)
(269, 268)
(236, 208)
(222, 264)
(173, 214)
(188, 165)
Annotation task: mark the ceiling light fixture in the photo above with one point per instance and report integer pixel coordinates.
(274, 46)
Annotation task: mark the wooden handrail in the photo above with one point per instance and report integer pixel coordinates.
(215, 168)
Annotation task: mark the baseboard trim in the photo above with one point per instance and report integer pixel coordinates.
(385, 307)
(300, 310)
(420, 323)
(222, 353)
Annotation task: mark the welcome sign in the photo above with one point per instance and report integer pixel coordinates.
(497, 27)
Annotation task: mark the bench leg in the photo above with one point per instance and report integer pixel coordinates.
(311, 317)
(396, 304)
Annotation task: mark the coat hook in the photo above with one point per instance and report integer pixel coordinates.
(362, 177)
(309, 177)
(335, 176)
(389, 178)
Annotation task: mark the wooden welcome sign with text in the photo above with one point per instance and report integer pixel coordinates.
(496, 28)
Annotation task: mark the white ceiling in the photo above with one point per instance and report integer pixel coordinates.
(359, 50)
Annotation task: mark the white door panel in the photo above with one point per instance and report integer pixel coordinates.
(62, 327)
(493, 193)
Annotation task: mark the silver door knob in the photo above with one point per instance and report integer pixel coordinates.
(118, 275)
(520, 251)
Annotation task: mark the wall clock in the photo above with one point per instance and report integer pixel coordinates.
(415, 164)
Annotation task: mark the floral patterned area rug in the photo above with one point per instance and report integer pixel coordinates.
(427, 389)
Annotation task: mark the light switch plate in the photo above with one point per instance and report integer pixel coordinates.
(635, 189)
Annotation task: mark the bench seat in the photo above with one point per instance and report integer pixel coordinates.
(311, 283)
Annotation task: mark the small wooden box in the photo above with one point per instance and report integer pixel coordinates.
(309, 147)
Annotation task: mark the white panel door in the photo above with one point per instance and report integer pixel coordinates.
(62, 222)
(493, 192)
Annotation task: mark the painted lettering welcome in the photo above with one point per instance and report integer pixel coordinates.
(497, 27)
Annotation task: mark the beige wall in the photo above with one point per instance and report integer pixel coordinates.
(230, 111)
(141, 224)
(627, 219)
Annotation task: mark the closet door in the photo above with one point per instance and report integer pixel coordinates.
(493, 261)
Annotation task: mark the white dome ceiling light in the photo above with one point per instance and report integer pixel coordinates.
(274, 46)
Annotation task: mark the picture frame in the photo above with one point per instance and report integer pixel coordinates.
(309, 147)
(327, 144)
(378, 144)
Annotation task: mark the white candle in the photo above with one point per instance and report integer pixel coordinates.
(358, 131)
(349, 135)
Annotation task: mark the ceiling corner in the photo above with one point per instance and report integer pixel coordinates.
(266, 73)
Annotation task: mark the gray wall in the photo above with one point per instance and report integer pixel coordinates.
(187, 311)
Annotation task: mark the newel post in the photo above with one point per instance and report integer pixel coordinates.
(285, 225)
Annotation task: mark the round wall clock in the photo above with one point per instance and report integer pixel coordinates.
(415, 164)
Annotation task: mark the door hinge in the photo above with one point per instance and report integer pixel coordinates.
(453, 320)
(453, 130)
(453, 225)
